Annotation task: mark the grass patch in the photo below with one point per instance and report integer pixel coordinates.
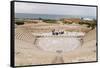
(19, 21)
(49, 21)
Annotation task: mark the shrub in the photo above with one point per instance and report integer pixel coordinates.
(19, 23)
(49, 21)
(89, 24)
(67, 22)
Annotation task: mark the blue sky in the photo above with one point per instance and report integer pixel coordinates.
(36, 8)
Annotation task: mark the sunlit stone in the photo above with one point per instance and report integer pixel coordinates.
(62, 42)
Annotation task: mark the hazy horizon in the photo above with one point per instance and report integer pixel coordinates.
(52, 14)
(49, 16)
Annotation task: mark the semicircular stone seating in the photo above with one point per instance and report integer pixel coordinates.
(87, 52)
(27, 53)
(24, 34)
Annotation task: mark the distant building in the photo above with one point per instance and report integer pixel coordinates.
(87, 19)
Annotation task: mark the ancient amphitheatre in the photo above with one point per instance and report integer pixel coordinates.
(35, 44)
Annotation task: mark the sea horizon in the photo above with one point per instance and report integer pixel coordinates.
(49, 16)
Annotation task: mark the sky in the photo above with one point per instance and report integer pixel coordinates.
(38, 8)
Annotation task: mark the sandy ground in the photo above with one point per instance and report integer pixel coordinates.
(28, 53)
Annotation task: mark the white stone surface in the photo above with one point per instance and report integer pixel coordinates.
(63, 44)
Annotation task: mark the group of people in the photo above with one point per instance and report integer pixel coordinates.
(57, 33)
